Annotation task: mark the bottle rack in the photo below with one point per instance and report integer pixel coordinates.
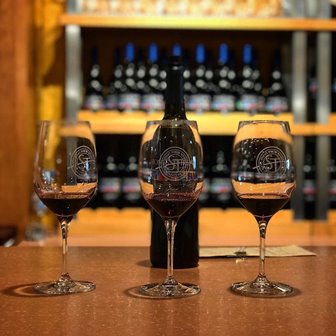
(217, 124)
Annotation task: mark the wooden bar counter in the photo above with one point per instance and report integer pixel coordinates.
(112, 309)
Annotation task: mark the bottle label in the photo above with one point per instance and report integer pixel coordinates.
(332, 191)
(248, 103)
(204, 196)
(152, 102)
(276, 105)
(111, 102)
(309, 190)
(110, 187)
(221, 189)
(199, 102)
(93, 102)
(129, 101)
(223, 103)
(131, 189)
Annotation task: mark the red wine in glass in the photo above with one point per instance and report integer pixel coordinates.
(172, 206)
(263, 205)
(65, 204)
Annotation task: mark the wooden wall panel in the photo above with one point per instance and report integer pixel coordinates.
(16, 110)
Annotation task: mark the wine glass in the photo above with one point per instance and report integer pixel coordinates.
(263, 179)
(171, 179)
(65, 179)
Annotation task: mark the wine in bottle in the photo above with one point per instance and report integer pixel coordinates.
(152, 99)
(202, 75)
(249, 89)
(109, 187)
(115, 84)
(186, 246)
(225, 76)
(332, 175)
(93, 98)
(129, 98)
(220, 188)
(276, 100)
(309, 181)
(130, 188)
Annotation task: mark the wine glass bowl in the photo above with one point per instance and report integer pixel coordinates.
(65, 179)
(171, 180)
(263, 179)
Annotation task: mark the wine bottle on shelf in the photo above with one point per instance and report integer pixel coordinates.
(224, 99)
(109, 187)
(202, 75)
(220, 188)
(312, 94)
(249, 88)
(115, 84)
(276, 99)
(129, 98)
(140, 75)
(152, 99)
(333, 94)
(332, 175)
(186, 246)
(94, 98)
(131, 193)
(309, 182)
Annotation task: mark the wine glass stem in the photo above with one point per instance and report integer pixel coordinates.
(170, 225)
(64, 229)
(262, 246)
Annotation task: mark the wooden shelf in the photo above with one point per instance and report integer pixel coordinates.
(197, 22)
(209, 123)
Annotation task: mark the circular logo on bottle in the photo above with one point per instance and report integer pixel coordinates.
(174, 163)
(83, 162)
(271, 160)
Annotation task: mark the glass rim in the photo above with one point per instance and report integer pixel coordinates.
(170, 121)
(64, 121)
(265, 121)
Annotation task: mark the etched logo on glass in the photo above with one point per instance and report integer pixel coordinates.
(174, 163)
(271, 160)
(83, 162)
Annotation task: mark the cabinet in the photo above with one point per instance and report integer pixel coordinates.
(211, 123)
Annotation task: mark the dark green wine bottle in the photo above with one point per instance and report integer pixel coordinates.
(186, 245)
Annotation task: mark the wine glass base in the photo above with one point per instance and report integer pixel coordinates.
(169, 291)
(262, 287)
(63, 286)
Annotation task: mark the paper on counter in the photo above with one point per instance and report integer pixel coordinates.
(251, 251)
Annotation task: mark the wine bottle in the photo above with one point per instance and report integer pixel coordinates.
(109, 187)
(276, 100)
(152, 99)
(186, 246)
(224, 99)
(115, 84)
(130, 188)
(312, 94)
(309, 182)
(249, 87)
(93, 99)
(201, 100)
(332, 175)
(220, 188)
(129, 98)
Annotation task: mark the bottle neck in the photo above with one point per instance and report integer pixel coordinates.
(174, 111)
(174, 96)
